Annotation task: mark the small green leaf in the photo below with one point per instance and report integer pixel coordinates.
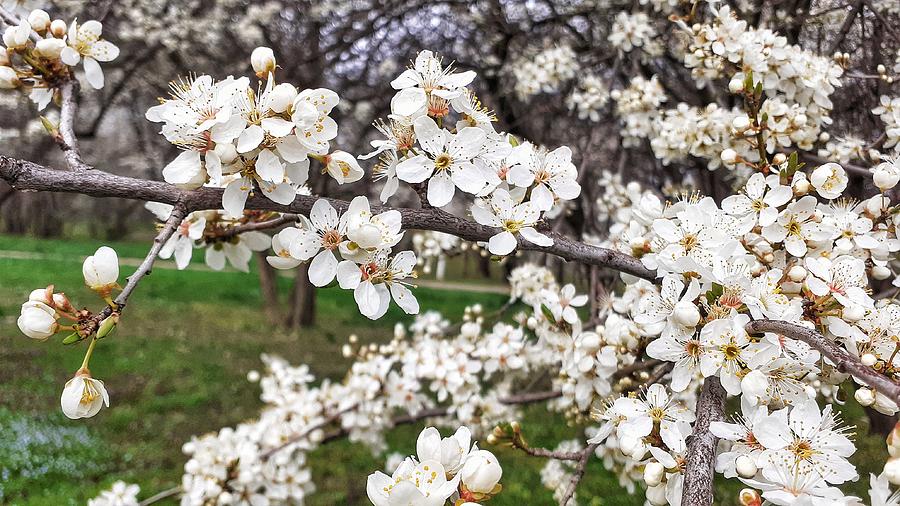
(72, 338)
(548, 314)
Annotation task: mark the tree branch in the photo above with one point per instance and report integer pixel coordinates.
(579, 474)
(25, 175)
(144, 268)
(66, 139)
(842, 359)
(165, 494)
(701, 446)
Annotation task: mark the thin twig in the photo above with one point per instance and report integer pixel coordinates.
(845, 28)
(309, 430)
(284, 219)
(66, 139)
(579, 474)
(842, 359)
(849, 167)
(165, 494)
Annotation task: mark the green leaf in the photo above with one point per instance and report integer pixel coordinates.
(72, 338)
(548, 314)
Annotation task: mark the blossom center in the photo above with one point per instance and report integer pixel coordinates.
(442, 161)
(657, 414)
(689, 241)
(512, 226)
(331, 239)
(802, 449)
(731, 351)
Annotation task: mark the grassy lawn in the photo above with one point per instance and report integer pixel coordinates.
(177, 367)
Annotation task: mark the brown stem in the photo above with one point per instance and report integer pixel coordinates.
(66, 139)
(25, 175)
(701, 446)
(579, 474)
(842, 359)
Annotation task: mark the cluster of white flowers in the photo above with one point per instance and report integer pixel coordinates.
(39, 53)
(208, 230)
(120, 494)
(634, 31)
(432, 250)
(364, 242)
(557, 474)
(889, 112)
(83, 395)
(545, 71)
(452, 468)
(589, 97)
(844, 149)
(250, 141)
(638, 107)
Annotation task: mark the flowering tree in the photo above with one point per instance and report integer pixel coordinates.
(776, 294)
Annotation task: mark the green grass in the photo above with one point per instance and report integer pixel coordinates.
(177, 366)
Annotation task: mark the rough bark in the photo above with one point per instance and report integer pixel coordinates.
(701, 446)
(25, 175)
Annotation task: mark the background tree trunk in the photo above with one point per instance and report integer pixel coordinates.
(268, 288)
(302, 303)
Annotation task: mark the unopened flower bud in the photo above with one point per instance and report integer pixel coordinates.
(797, 273)
(864, 397)
(101, 270)
(853, 313)
(735, 85)
(880, 272)
(749, 497)
(881, 69)
(886, 176)
(740, 123)
(869, 359)
(8, 78)
(39, 20)
(801, 187)
(58, 28)
(263, 60)
(37, 320)
(15, 37)
(282, 97)
(49, 48)
(481, 472)
(876, 205)
(657, 495)
(686, 314)
(779, 158)
(653, 473)
(745, 466)
(729, 156)
(892, 471)
(755, 385)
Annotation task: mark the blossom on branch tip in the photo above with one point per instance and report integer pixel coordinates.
(85, 43)
(83, 396)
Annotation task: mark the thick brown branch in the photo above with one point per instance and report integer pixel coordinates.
(842, 359)
(701, 446)
(24, 175)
